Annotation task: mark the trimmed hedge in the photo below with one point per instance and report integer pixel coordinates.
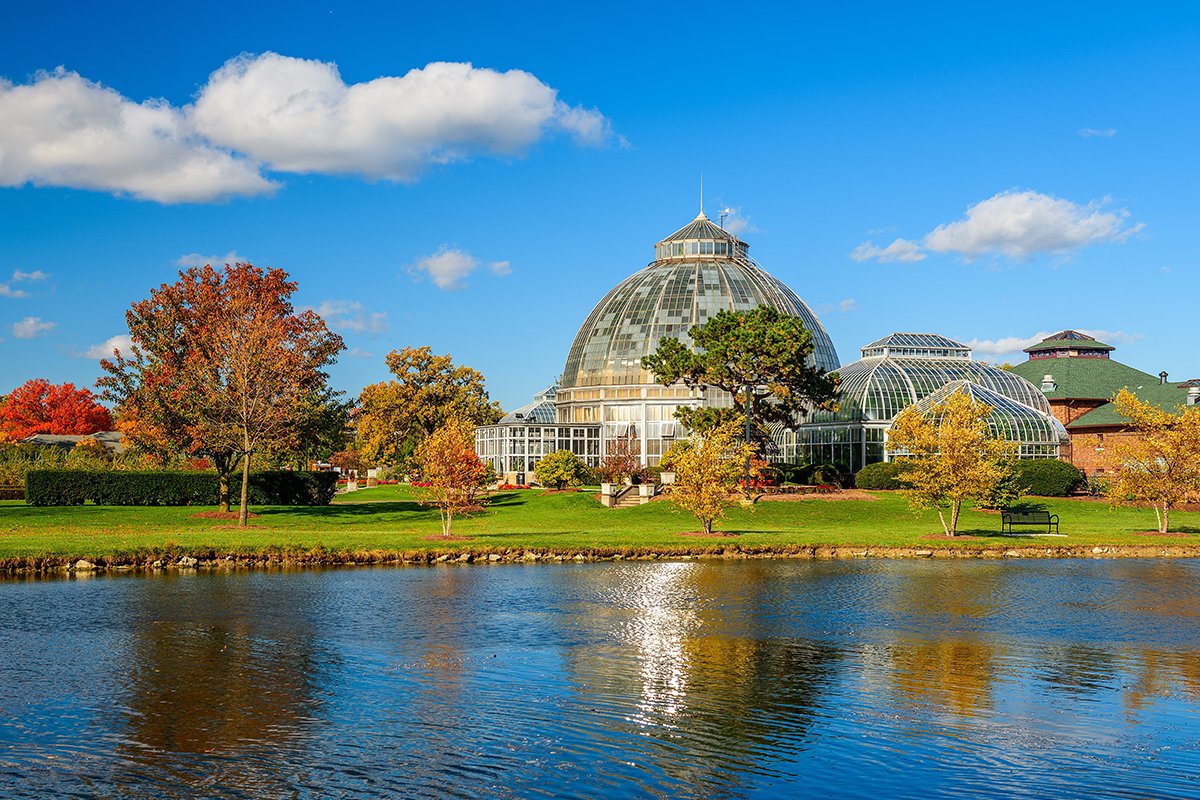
(809, 474)
(1045, 477)
(1048, 477)
(71, 487)
(882, 475)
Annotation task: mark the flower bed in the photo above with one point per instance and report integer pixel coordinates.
(513, 486)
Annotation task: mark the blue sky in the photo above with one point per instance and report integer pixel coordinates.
(984, 171)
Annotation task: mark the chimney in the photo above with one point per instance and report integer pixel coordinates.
(1193, 397)
(1048, 384)
(1162, 377)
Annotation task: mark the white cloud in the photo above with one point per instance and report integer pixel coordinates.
(298, 115)
(279, 113)
(355, 352)
(344, 315)
(64, 130)
(843, 307)
(737, 223)
(1013, 345)
(6, 289)
(899, 250)
(1023, 224)
(1166, 269)
(32, 327)
(121, 342)
(1089, 132)
(448, 266)
(1020, 225)
(197, 260)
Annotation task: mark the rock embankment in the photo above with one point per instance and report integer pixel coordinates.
(210, 560)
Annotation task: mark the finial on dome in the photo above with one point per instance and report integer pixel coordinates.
(701, 214)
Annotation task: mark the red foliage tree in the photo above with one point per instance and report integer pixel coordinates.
(41, 407)
(222, 367)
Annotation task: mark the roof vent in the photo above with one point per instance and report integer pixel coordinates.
(1193, 396)
(1048, 384)
(1162, 377)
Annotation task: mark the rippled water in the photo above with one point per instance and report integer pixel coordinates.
(1066, 678)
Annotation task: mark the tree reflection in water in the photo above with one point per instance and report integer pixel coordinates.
(216, 695)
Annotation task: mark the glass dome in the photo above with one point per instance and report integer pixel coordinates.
(699, 270)
(878, 387)
(1038, 433)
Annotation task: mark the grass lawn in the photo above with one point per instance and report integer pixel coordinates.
(388, 520)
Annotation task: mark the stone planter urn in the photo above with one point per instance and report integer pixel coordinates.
(668, 478)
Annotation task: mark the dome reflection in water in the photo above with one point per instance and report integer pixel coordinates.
(1064, 678)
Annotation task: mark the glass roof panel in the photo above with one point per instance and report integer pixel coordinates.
(664, 300)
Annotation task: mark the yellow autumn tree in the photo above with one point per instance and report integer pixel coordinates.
(706, 469)
(1160, 463)
(451, 470)
(949, 454)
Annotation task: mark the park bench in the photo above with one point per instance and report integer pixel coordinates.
(1010, 518)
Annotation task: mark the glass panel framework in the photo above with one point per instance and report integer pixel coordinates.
(518, 448)
(665, 300)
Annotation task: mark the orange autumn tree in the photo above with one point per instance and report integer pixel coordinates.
(221, 367)
(448, 464)
(1160, 463)
(41, 407)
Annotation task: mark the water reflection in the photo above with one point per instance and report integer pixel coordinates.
(715, 699)
(213, 692)
(685, 679)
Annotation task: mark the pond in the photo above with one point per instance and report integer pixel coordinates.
(930, 679)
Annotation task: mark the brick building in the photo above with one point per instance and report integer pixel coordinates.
(1080, 379)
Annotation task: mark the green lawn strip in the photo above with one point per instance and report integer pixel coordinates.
(393, 522)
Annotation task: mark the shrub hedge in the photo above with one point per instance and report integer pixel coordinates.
(70, 487)
(1045, 477)
(883, 475)
(1048, 477)
(808, 474)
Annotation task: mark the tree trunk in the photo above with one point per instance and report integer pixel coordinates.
(223, 462)
(707, 525)
(242, 512)
(1166, 519)
(942, 517)
(955, 507)
(447, 521)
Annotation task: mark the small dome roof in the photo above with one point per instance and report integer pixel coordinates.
(1009, 419)
(879, 387)
(700, 270)
(539, 412)
(702, 228)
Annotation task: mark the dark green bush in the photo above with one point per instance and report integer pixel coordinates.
(883, 475)
(63, 487)
(809, 474)
(1048, 477)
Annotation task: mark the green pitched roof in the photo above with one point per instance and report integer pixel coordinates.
(1084, 378)
(1167, 396)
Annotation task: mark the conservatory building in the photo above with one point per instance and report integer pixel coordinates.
(514, 444)
(698, 270)
(904, 369)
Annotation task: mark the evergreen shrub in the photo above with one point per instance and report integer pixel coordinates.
(67, 487)
(1048, 477)
(883, 475)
